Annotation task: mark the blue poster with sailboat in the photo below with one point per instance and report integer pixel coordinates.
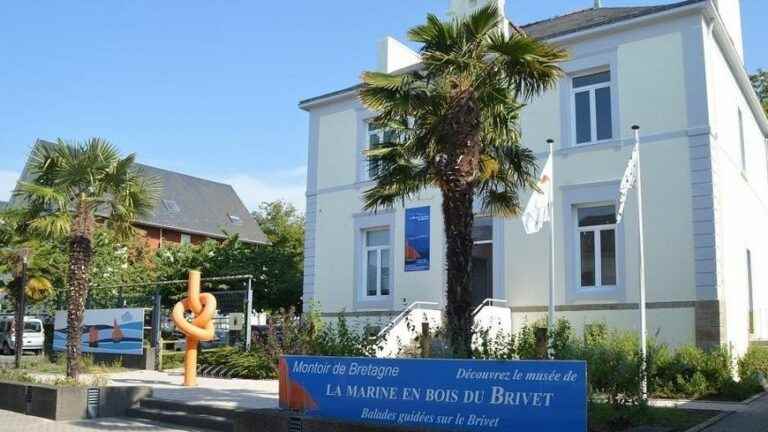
(109, 331)
(417, 239)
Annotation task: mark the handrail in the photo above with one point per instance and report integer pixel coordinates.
(486, 302)
(405, 312)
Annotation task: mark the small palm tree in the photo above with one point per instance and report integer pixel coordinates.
(73, 184)
(454, 125)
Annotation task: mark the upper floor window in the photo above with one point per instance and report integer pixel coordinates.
(593, 115)
(376, 262)
(596, 231)
(377, 136)
(742, 143)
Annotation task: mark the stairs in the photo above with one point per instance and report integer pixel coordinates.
(200, 417)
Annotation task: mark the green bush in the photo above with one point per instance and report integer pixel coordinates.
(753, 364)
(339, 340)
(239, 364)
(614, 364)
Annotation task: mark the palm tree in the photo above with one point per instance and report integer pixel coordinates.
(454, 125)
(73, 184)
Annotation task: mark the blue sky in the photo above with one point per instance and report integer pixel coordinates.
(210, 87)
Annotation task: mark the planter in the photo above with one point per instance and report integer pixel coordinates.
(69, 403)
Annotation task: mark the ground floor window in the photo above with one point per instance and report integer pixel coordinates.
(377, 258)
(482, 260)
(596, 240)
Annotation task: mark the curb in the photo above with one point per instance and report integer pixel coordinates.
(754, 398)
(716, 419)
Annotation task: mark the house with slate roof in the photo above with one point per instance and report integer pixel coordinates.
(191, 210)
(675, 69)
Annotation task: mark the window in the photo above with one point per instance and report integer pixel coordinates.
(742, 144)
(596, 232)
(751, 294)
(376, 262)
(186, 239)
(593, 115)
(376, 137)
(171, 206)
(234, 219)
(482, 260)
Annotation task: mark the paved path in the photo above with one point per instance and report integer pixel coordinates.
(11, 421)
(227, 393)
(752, 419)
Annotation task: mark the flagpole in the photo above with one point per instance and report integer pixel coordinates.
(643, 332)
(551, 309)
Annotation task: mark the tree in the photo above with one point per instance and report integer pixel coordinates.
(760, 83)
(454, 125)
(31, 265)
(71, 184)
(277, 268)
(283, 270)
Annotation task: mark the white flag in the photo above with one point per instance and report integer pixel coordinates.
(537, 210)
(627, 182)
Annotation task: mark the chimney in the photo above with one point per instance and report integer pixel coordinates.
(598, 4)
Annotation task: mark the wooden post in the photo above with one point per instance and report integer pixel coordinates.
(426, 340)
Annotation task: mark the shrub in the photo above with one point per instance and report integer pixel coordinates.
(339, 340)
(691, 373)
(614, 364)
(239, 364)
(754, 364)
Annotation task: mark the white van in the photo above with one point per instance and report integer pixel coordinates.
(34, 336)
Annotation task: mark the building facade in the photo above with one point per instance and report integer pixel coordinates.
(677, 71)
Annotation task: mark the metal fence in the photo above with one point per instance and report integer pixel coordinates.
(233, 314)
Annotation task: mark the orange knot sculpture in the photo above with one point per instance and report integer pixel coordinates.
(202, 306)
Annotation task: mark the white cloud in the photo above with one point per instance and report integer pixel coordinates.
(287, 185)
(8, 181)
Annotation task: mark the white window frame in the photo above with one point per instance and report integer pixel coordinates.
(742, 144)
(380, 251)
(596, 230)
(368, 134)
(592, 106)
(185, 239)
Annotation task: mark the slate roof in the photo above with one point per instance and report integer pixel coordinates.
(591, 18)
(195, 206)
(566, 24)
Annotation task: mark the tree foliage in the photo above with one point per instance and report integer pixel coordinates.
(760, 83)
(453, 124)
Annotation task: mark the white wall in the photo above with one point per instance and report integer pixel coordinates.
(741, 201)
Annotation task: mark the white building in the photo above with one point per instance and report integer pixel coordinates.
(677, 70)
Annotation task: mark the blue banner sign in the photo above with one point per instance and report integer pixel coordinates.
(110, 331)
(540, 396)
(417, 239)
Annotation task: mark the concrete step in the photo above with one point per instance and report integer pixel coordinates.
(182, 418)
(172, 405)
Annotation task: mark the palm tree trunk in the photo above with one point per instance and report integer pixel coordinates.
(458, 216)
(80, 253)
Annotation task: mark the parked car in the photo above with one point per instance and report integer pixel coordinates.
(34, 335)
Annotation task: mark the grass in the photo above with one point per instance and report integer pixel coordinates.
(42, 365)
(40, 370)
(604, 418)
